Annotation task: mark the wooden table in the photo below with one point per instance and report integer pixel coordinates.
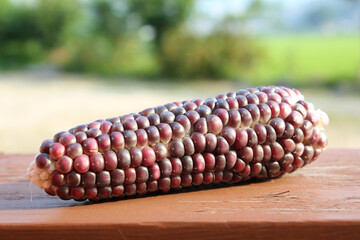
(320, 201)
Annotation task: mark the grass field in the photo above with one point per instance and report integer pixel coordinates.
(309, 59)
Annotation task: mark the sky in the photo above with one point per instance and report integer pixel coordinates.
(342, 16)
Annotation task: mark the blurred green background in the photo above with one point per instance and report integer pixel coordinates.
(126, 47)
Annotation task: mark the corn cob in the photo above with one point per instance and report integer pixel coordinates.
(254, 133)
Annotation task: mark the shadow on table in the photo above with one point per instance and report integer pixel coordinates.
(22, 196)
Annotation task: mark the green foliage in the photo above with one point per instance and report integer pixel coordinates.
(28, 32)
(124, 57)
(219, 55)
(308, 59)
(105, 37)
(163, 15)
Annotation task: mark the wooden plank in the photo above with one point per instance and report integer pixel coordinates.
(319, 201)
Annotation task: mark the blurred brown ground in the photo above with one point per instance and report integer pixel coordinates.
(34, 107)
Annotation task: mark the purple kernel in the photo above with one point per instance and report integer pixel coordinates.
(117, 141)
(130, 124)
(252, 137)
(43, 161)
(277, 151)
(74, 150)
(254, 111)
(77, 193)
(231, 158)
(142, 174)
(80, 137)
(136, 156)
(211, 142)
(260, 131)
(142, 137)
(130, 175)
(117, 127)
(149, 156)
(178, 131)
(218, 176)
(198, 163)
(189, 146)
(93, 133)
(57, 179)
(165, 168)
(152, 186)
(193, 116)
(275, 109)
(117, 177)
(222, 114)
(104, 142)
(186, 180)
(197, 179)
(209, 159)
(246, 118)
(201, 126)
(296, 119)
(164, 184)
(246, 154)
(178, 111)
(130, 139)
(105, 126)
(45, 146)
(64, 164)
(177, 149)
(187, 164)
(103, 179)
(239, 165)
(110, 160)
(58, 135)
(154, 172)
(241, 138)
(176, 166)
(143, 122)
(199, 141)
(258, 154)
(88, 179)
(153, 135)
(242, 100)
(67, 139)
(82, 163)
(184, 121)
(233, 103)
(57, 150)
(234, 118)
(90, 146)
(167, 117)
(222, 146)
(279, 126)
(265, 113)
(97, 163)
(220, 162)
(161, 152)
(227, 176)
(175, 182)
(117, 191)
(130, 189)
(214, 124)
(208, 177)
(203, 110)
(124, 158)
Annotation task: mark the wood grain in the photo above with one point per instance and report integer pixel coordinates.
(320, 201)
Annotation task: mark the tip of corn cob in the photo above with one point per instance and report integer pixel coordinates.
(38, 176)
(257, 133)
